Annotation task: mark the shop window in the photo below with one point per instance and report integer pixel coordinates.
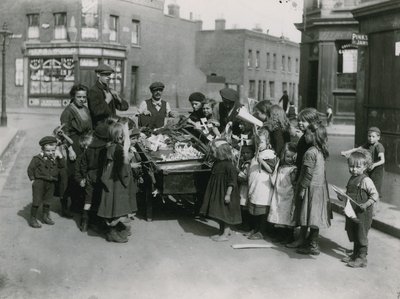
(51, 76)
(113, 28)
(60, 26)
(90, 20)
(135, 39)
(268, 61)
(274, 61)
(347, 65)
(257, 59)
(250, 58)
(272, 89)
(116, 78)
(252, 89)
(33, 26)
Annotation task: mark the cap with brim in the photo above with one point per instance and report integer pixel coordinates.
(374, 129)
(229, 94)
(47, 140)
(157, 85)
(104, 69)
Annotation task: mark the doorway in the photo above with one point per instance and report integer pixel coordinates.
(134, 85)
(312, 90)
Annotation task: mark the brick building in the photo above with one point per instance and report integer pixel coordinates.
(328, 67)
(57, 43)
(261, 66)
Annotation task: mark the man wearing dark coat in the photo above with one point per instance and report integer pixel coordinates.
(285, 100)
(102, 100)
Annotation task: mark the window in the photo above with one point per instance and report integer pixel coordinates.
(252, 89)
(51, 76)
(250, 59)
(116, 78)
(90, 20)
(33, 26)
(290, 90)
(274, 61)
(257, 59)
(135, 32)
(259, 94)
(284, 87)
(60, 26)
(113, 28)
(289, 64)
(268, 61)
(283, 63)
(297, 65)
(272, 89)
(264, 87)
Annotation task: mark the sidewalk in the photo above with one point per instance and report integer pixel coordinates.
(7, 135)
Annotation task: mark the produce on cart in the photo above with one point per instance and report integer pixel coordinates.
(174, 166)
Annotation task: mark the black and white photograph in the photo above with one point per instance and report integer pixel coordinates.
(212, 149)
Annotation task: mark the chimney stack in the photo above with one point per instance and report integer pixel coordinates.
(173, 10)
(220, 24)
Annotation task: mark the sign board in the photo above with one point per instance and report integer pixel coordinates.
(359, 39)
(397, 49)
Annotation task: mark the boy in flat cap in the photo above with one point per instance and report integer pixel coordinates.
(43, 171)
(102, 100)
(152, 112)
(227, 110)
(377, 151)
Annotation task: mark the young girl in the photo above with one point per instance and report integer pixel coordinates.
(312, 188)
(282, 202)
(118, 199)
(306, 117)
(221, 200)
(279, 127)
(362, 190)
(260, 188)
(247, 155)
(261, 110)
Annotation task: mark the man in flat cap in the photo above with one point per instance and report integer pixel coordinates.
(152, 112)
(102, 100)
(227, 110)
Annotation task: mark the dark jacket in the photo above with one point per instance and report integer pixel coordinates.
(90, 164)
(44, 168)
(99, 109)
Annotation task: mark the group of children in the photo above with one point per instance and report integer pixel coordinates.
(107, 172)
(273, 188)
(273, 193)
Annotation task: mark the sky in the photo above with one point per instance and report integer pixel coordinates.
(270, 15)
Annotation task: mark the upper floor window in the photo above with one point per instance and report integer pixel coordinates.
(257, 59)
(274, 61)
(297, 65)
(135, 39)
(90, 20)
(113, 28)
(250, 58)
(33, 26)
(268, 61)
(289, 64)
(60, 26)
(283, 63)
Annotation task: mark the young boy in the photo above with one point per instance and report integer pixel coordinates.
(362, 190)
(43, 171)
(377, 151)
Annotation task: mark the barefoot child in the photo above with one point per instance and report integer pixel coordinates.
(221, 200)
(362, 190)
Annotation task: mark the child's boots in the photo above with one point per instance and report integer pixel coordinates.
(361, 259)
(84, 221)
(33, 222)
(64, 208)
(46, 215)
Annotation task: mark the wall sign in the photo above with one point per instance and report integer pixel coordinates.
(397, 49)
